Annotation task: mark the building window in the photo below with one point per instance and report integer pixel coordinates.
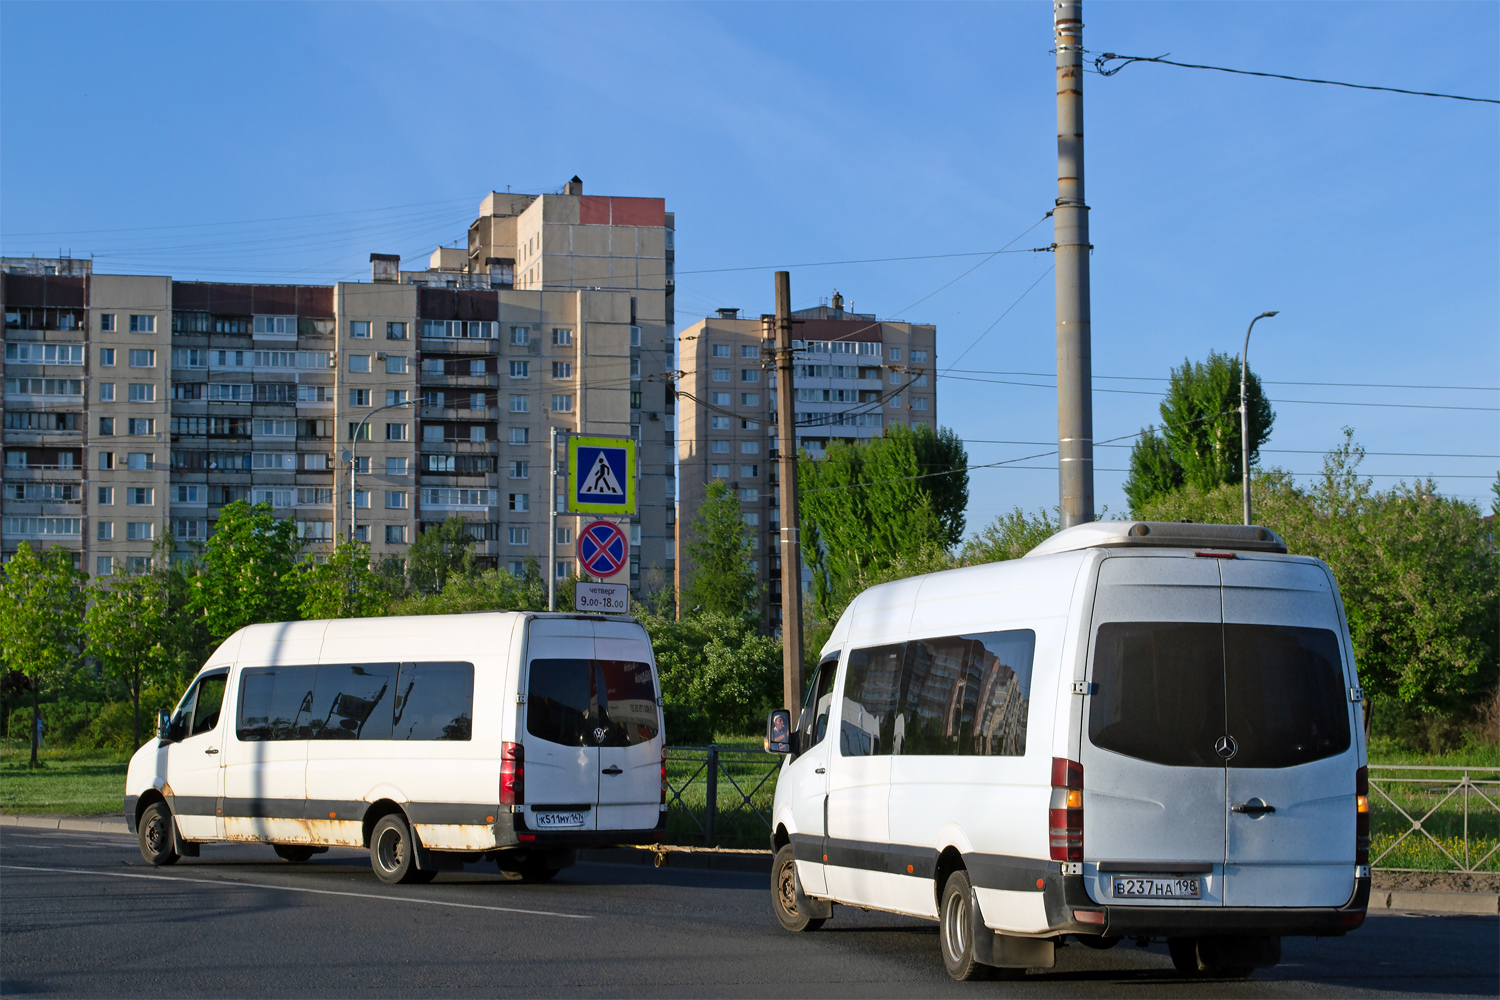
(359, 329)
(142, 359)
(104, 565)
(520, 501)
(718, 471)
(395, 534)
(895, 378)
(564, 536)
(918, 357)
(721, 350)
(520, 336)
(106, 322)
(476, 368)
(395, 364)
(520, 404)
(395, 466)
(749, 375)
(359, 397)
(562, 337)
(395, 500)
(749, 471)
(919, 404)
(635, 336)
(141, 425)
(749, 399)
(395, 432)
(520, 536)
(107, 357)
(362, 499)
(139, 531)
(142, 324)
(748, 351)
(476, 433)
(138, 496)
(518, 569)
(635, 404)
(635, 369)
(395, 331)
(562, 369)
(359, 430)
(719, 447)
(520, 369)
(749, 447)
(520, 435)
(520, 470)
(142, 392)
(138, 461)
(896, 402)
(106, 392)
(104, 530)
(721, 374)
(396, 397)
(564, 570)
(720, 399)
(106, 459)
(895, 353)
(751, 494)
(359, 362)
(106, 426)
(106, 495)
(563, 404)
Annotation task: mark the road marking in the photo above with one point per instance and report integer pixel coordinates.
(317, 892)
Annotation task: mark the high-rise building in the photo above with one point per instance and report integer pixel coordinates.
(855, 376)
(136, 405)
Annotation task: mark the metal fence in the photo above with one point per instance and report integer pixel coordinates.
(1434, 818)
(720, 797)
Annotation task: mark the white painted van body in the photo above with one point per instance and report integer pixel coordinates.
(883, 829)
(233, 781)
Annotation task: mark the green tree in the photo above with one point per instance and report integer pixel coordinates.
(42, 602)
(130, 632)
(491, 590)
(344, 586)
(1201, 430)
(722, 581)
(1009, 536)
(248, 572)
(440, 552)
(943, 451)
(718, 674)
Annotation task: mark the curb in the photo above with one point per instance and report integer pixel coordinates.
(113, 824)
(698, 859)
(1437, 902)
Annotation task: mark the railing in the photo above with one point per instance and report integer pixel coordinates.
(1434, 818)
(720, 797)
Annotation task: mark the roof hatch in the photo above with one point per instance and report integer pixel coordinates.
(1161, 534)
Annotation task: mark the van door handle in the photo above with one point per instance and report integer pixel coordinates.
(820, 770)
(212, 750)
(1255, 807)
(613, 769)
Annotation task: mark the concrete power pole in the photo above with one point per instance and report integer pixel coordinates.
(1070, 235)
(786, 457)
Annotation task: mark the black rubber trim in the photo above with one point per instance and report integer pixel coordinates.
(510, 827)
(998, 871)
(130, 803)
(986, 871)
(1156, 867)
(192, 805)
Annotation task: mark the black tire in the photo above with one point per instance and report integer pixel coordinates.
(784, 886)
(295, 853)
(1190, 965)
(532, 868)
(391, 853)
(1097, 943)
(154, 832)
(955, 931)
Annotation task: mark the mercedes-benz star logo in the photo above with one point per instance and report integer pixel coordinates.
(1226, 747)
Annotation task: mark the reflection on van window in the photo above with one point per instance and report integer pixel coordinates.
(952, 695)
(434, 701)
(585, 703)
(353, 701)
(813, 722)
(1285, 691)
(276, 703)
(210, 699)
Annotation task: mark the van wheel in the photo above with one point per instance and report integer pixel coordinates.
(155, 834)
(784, 893)
(1189, 963)
(955, 936)
(391, 853)
(295, 853)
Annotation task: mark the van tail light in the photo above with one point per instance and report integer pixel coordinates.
(1065, 812)
(512, 774)
(664, 777)
(1362, 816)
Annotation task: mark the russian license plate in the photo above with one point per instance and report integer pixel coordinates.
(1153, 887)
(557, 820)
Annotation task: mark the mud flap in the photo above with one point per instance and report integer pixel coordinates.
(817, 909)
(435, 861)
(1005, 951)
(184, 848)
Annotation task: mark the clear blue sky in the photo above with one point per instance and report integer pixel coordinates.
(288, 141)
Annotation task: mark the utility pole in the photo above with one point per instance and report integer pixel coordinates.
(552, 521)
(786, 456)
(1245, 413)
(1070, 236)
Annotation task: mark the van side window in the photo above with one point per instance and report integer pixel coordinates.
(353, 701)
(434, 701)
(210, 699)
(816, 706)
(276, 703)
(948, 695)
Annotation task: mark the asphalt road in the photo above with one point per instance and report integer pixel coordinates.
(82, 914)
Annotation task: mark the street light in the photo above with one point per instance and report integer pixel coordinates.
(353, 465)
(1245, 414)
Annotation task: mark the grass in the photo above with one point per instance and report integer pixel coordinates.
(1430, 797)
(737, 824)
(68, 782)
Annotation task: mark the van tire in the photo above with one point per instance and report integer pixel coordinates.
(1189, 962)
(537, 867)
(784, 888)
(391, 853)
(295, 853)
(955, 934)
(154, 832)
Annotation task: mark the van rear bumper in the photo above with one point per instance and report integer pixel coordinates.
(511, 831)
(1067, 899)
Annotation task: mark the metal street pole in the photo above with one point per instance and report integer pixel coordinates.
(1245, 413)
(552, 522)
(1070, 235)
(786, 456)
(354, 461)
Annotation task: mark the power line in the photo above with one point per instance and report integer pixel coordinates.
(1158, 378)
(868, 260)
(1270, 451)
(1006, 313)
(1127, 60)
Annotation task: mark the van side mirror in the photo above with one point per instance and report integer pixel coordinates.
(779, 736)
(163, 726)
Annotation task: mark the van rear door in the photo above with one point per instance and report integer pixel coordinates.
(630, 755)
(1153, 787)
(562, 754)
(1289, 714)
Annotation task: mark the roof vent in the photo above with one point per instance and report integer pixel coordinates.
(1161, 534)
(726, 313)
(574, 186)
(385, 267)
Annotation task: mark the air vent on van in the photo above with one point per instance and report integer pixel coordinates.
(1162, 534)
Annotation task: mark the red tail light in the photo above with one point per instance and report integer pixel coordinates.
(1362, 816)
(664, 776)
(512, 774)
(1065, 812)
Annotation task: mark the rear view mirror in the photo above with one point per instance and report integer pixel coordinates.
(779, 731)
(163, 725)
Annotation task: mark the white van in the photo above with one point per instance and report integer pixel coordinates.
(432, 741)
(1140, 730)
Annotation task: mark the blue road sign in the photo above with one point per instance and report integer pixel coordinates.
(601, 475)
(603, 549)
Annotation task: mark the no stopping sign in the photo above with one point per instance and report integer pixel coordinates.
(603, 549)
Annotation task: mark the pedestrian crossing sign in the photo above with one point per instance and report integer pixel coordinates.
(601, 475)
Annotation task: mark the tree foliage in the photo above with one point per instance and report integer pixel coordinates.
(718, 674)
(723, 582)
(1200, 434)
(491, 590)
(345, 586)
(1418, 573)
(248, 571)
(943, 451)
(42, 603)
(1009, 536)
(132, 632)
(441, 551)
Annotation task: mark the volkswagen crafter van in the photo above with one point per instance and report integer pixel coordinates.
(432, 741)
(1138, 730)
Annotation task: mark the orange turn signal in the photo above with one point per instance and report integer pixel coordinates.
(1075, 798)
(1362, 803)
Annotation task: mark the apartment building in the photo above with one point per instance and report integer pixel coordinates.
(855, 376)
(135, 405)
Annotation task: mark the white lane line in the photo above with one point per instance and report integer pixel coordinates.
(317, 892)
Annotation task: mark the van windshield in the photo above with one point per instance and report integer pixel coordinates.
(1167, 691)
(587, 703)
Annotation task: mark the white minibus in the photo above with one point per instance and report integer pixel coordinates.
(1139, 730)
(432, 741)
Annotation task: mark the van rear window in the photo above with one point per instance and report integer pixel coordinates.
(1167, 691)
(585, 703)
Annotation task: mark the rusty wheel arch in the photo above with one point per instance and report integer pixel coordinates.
(379, 810)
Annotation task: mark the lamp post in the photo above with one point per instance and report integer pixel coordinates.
(1245, 414)
(354, 465)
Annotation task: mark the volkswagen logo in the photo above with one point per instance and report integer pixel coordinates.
(600, 734)
(1226, 747)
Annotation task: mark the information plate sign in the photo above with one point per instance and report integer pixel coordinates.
(610, 598)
